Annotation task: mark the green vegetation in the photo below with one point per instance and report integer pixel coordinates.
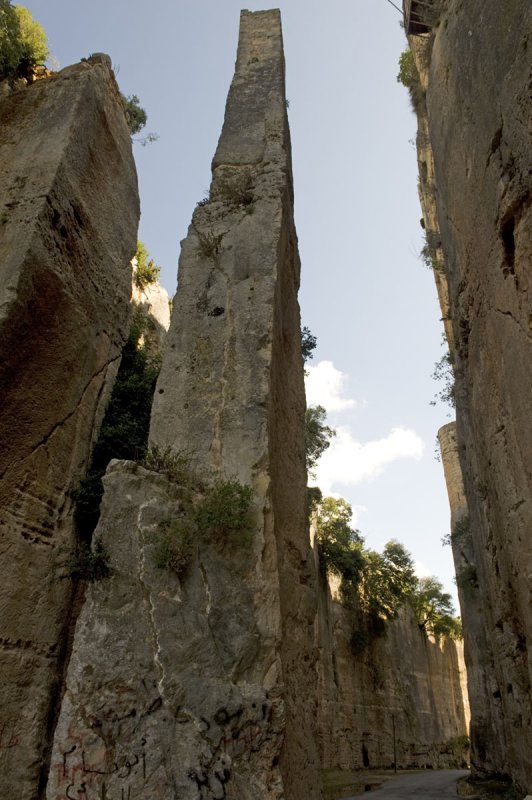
(467, 577)
(462, 530)
(308, 344)
(388, 580)
(174, 545)
(175, 465)
(340, 545)
(136, 116)
(23, 42)
(408, 75)
(434, 609)
(209, 243)
(461, 533)
(221, 514)
(125, 427)
(458, 743)
(314, 498)
(378, 584)
(444, 372)
(318, 435)
(225, 511)
(235, 189)
(89, 564)
(407, 69)
(147, 271)
(429, 252)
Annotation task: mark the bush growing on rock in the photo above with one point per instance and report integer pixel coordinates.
(225, 510)
(89, 564)
(147, 271)
(408, 75)
(135, 115)
(174, 545)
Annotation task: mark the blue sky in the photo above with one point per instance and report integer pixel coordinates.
(365, 293)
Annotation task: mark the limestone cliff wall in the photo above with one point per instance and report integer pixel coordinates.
(68, 228)
(475, 72)
(403, 686)
(487, 724)
(204, 686)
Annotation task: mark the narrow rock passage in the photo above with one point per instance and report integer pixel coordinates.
(438, 785)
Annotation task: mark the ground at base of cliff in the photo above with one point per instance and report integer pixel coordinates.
(339, 783)
(483, 789)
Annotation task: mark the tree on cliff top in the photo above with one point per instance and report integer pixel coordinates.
(147, 270)
(434, 609)
(23, 42)
(378, 584)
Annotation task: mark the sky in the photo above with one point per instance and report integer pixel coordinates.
(365, 293)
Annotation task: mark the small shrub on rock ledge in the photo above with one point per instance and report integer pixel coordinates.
(174, 548)
(225, 510)
(218, 514)
(175, 465)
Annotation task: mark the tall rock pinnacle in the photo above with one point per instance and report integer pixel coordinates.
(202, 685)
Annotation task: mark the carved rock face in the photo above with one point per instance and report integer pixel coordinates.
(67, 236)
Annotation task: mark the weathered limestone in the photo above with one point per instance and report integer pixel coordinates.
(205, 687)
(68, 227)
(487, 724)
(402, 685)
(477, 111)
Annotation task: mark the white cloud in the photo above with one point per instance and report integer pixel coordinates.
(421, 570)
(324, 385)
(349, 462)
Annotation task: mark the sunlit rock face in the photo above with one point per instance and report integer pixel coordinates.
(396, 698)
(476, 190)
(203, 686)
(68, 232)
(488, 718)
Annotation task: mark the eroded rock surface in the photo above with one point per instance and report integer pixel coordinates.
(204, 687)
(487, 723)
(67, 234)
(398, 698)
(161, 699)
(476, 116)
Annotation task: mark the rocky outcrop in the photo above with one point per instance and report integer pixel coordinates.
(67, 234)
(204, 686)
(475, 73)
(399, 698)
